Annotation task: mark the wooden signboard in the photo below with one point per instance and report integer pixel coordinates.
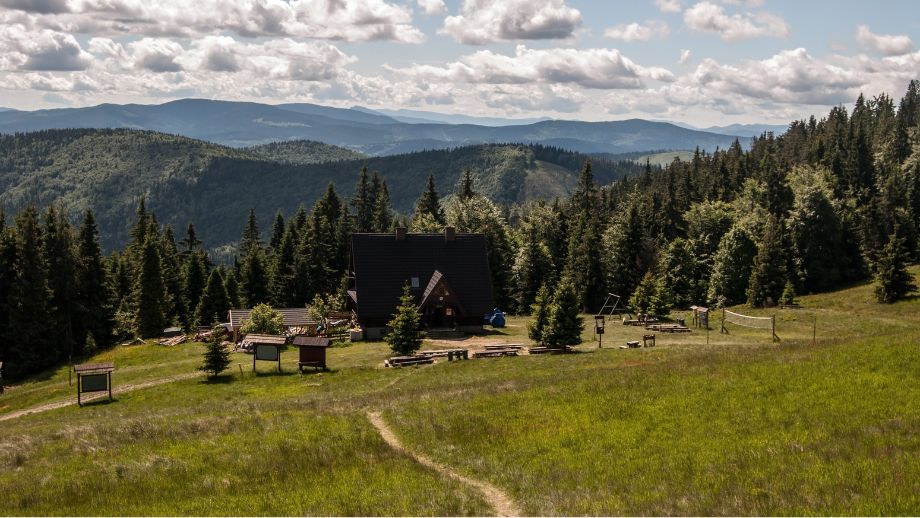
(94, 377)
(269, 353)
(266, 348)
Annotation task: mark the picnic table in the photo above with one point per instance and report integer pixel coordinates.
(668, 328)
(549, 350)
(450, 354)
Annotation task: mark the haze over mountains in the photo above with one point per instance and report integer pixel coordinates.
(241, 124)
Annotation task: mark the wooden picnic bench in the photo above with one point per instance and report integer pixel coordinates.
(549, 350)
(450, 354)
(404, 361)
(494, 353)
(495, 347)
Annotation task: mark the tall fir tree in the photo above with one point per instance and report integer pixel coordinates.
(281, 288)
(768, 274)
(465, 189)
(732, 268)
(93, 290)
(232, 287)
(429, 203)
(362, 203)
(7, 283)
(59, 256)
(540, 312)
(583, 263)
(278, 230)
(194, 278)
(532, 270)
(149, 293)
(251, 237)
(383, 212)
(190, 242)
(175, 310)
(212, 309)
(564, 323)
(893, 280)
(254, 278)
(33, 349)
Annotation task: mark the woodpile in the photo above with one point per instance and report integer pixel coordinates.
(169, 342)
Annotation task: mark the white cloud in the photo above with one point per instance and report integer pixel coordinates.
(589, 68)
(486, 21)
(889, 45)
(669, 6)
(156, 54)
(40, 50)
(350, 20)
(684, 57)
(711, 18)
(638, 32)
(432, 6)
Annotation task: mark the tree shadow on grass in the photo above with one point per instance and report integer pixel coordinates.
(98, 401)
(274, 373)
(221, 379)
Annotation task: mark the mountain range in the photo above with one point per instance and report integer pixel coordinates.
(242, 124)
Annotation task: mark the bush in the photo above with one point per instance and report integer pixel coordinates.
(263, 320)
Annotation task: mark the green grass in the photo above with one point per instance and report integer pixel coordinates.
(738, 425)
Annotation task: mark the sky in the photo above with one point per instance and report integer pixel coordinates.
(708, 62)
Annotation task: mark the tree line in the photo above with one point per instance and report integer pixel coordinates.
(830, 202)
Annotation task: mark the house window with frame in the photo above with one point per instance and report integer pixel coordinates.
(415, 282)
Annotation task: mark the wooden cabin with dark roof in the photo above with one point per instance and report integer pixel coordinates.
(447, 273)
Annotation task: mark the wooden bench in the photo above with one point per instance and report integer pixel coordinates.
(549, 350)
(404, 361)
(634, 344)
(450, 354)
(790, 306)
(494, 347)
(495, 353)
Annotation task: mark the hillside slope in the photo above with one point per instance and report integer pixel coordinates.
(214, 186)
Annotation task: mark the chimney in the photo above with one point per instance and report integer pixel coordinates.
(400, 233)
(450, 233)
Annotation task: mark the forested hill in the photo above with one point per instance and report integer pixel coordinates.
(214, 186)
(304, 152)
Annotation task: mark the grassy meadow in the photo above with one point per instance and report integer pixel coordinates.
(699, 425)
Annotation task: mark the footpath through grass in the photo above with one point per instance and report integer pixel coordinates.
(738, 426)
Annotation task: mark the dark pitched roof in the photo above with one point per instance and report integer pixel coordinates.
(382, 265)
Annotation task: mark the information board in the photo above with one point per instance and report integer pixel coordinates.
(94, 382)
(267, 353)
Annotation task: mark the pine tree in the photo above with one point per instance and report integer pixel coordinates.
(7, 283)
(565, 323)
(212, 308)
(363, 203)
(149, 293)
(254, 278)
(465, 189)
(190, 242)
(216, 356)
(93, 291)
(233, 289)
(33, 348)
(583, 261)
(383, 213)
(540, 311)
(277, 232)
(894, 281)
(678, 272)
(623, 251)
(194, 278)
(58, 250)
(175, 309)
(250, 238)
(139, 230)
(788, 296)
(768, 274)
(429, 203)
(405, 336)
(532, 270)
(282, 287)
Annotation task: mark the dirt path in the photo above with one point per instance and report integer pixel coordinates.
(500, 502)
(117, 390)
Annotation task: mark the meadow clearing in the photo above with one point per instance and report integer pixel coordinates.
(738, 425)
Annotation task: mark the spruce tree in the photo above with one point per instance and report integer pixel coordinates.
(250, 238)
(583, 259)
(212, 309)
(277, 232)
(788, 296)
(383, 213)
(233, 289)
(254, 278)
(190, 242)
(768, 274)
(565, 323)
(623, 251)
(678, 271)
(216, 356)
(540, 315)
(532, 270)
(194, 279)
(405, 336)
(149, 293)
(7, 282)
(429, 203)
(139, 229)
(282, 287)
(59, 256)
(33, 348)
(93, 291)
(894, 281)
(171, 265)
(363, 203)
(465, 189)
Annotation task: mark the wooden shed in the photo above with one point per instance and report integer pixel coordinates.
(312, 351)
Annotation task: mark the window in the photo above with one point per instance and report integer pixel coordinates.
(415, 282)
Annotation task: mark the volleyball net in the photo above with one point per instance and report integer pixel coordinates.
(749, 321)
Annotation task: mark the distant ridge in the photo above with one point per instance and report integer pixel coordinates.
(243, 124)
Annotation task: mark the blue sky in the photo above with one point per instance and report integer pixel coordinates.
(703, 62)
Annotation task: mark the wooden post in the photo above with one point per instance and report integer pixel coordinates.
(773, 328)
(723, 322)
(79, 402)
(253, 360)
(110, 385)
(279, 358)
(814, 330)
